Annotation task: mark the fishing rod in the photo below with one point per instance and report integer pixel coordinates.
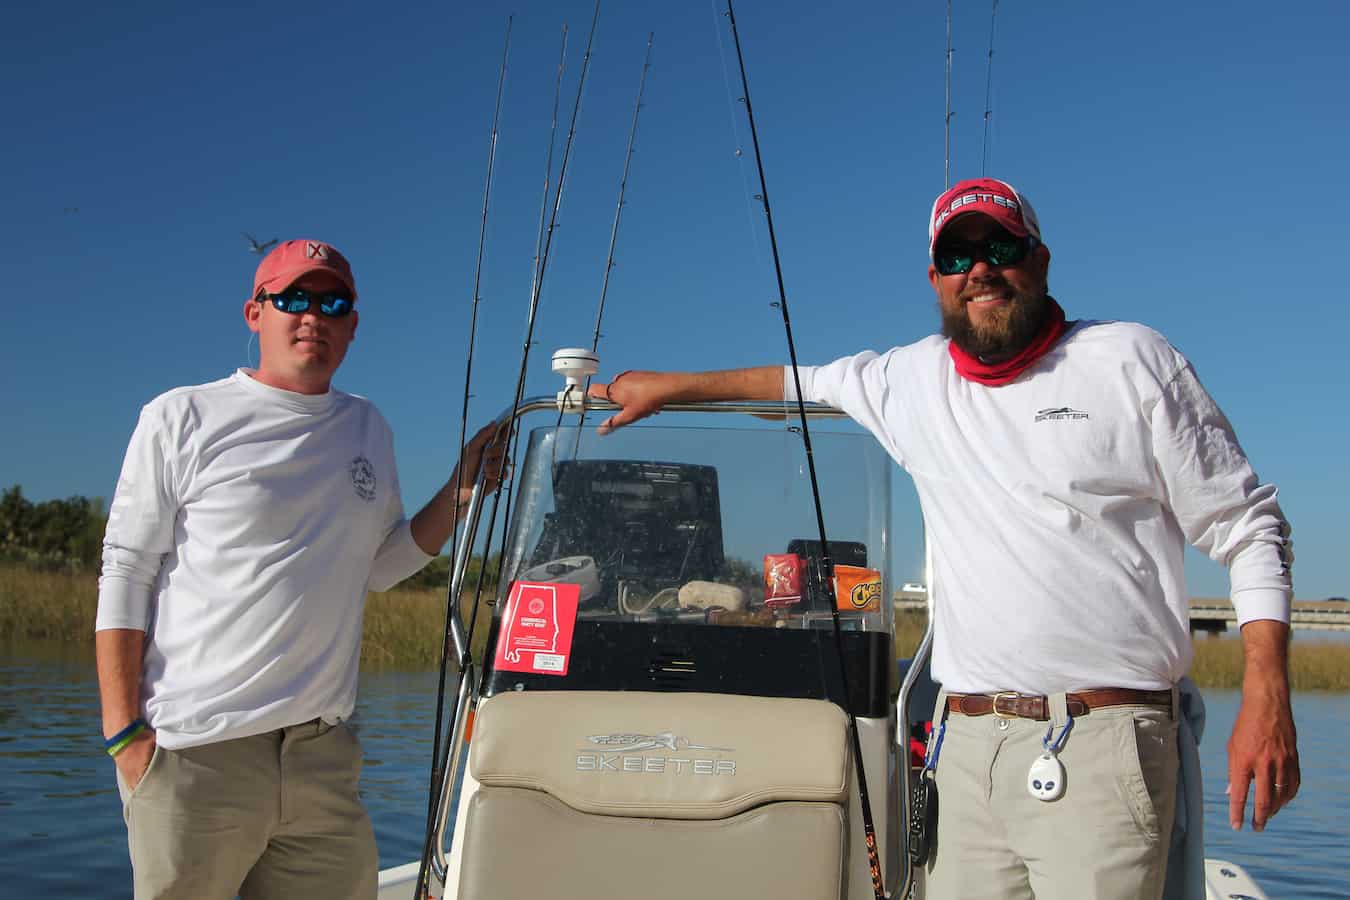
(548, 161)
(947, 119)
(542, 264)
(614, 231)
(989, 91)
(543, 246)
(534, 280)
(437, 769)
(825, 565)
(535, 275)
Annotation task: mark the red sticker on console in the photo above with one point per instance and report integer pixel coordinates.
(536, 631)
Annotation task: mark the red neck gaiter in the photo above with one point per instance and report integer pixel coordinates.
(993, 374)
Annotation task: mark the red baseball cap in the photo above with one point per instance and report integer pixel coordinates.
(287, 262)
(996, 199)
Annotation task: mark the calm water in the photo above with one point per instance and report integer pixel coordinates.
(61, 822)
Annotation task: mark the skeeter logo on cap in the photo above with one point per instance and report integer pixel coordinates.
(978, 197)
(315, 250)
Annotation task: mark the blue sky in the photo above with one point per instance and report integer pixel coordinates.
(1187, 162)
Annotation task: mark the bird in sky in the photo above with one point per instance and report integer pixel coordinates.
(258, 248)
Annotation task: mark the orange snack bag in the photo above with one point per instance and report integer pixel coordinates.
(857, 589)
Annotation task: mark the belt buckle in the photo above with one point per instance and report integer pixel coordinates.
(1005, 715)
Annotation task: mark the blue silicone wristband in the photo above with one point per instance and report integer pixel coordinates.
(135, 726)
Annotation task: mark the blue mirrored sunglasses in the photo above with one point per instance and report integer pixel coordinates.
(958, 258)
(298, 300)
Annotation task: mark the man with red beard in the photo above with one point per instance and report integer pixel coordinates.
(1062, 466)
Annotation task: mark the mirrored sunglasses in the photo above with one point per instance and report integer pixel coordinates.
(960, 258)
(298, 300)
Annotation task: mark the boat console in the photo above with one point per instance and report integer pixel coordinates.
(662, 684)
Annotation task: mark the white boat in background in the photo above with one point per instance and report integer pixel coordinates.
(1225, 880)
(646, 718)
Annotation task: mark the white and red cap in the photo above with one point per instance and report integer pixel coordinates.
(996, 199)
(289, 261)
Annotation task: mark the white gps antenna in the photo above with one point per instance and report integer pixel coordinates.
(574, 364)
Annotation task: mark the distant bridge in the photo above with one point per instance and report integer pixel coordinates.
(1211, 615)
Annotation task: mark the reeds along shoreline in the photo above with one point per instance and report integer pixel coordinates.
(403, 629)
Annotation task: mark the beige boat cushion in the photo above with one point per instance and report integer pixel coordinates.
(525, 844)
(664, 756)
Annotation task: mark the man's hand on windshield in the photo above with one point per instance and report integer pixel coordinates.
(639, 394)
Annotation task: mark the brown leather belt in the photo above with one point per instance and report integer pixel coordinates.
(1012, 705)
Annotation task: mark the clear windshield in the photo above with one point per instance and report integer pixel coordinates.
(705, 526)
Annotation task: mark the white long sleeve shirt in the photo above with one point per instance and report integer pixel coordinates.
(1057, 506)
(247, 526)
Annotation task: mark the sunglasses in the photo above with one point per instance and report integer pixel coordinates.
(298, 300)
(958, 259)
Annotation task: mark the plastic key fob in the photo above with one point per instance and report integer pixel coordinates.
(1045, 779)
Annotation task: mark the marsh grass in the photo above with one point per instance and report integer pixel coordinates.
(47, 606)
(1314, 665)
(909, 629)
(403, 630)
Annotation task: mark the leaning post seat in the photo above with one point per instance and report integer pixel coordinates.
(596, 795)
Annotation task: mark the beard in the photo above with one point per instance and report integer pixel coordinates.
(1004, 333)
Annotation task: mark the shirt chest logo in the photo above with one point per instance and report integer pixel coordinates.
(1058, 413)
(363, 478)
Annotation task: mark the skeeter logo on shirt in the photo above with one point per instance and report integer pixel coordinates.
(363, 478)
(1056, 413)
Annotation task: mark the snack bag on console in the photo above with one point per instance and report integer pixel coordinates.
(857, 589)
(782, 579)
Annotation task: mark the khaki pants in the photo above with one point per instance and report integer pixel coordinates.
(276, 815)
(1106, 838)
